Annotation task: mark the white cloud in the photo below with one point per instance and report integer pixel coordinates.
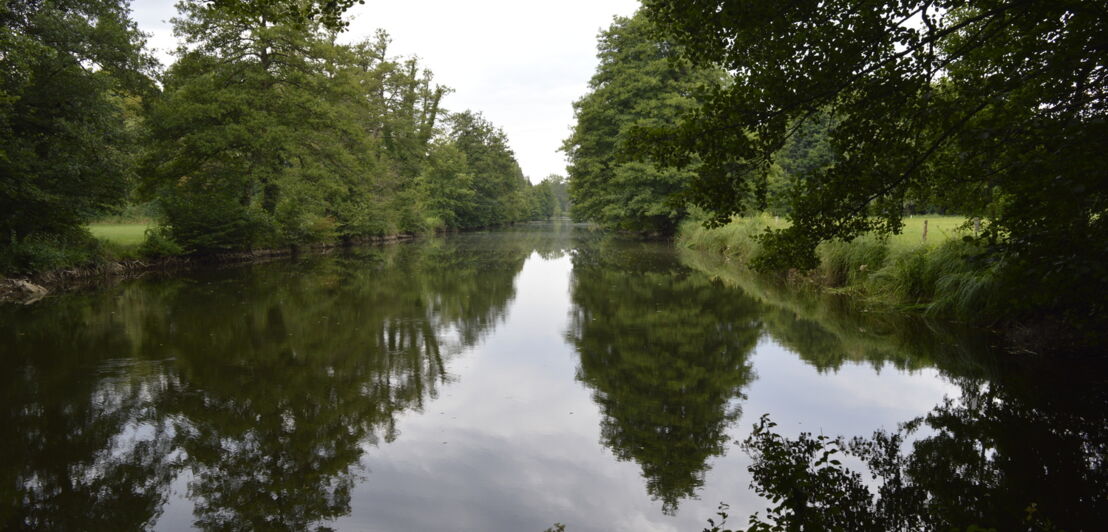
(520, 63)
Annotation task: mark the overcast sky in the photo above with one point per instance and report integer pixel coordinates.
(520, 63)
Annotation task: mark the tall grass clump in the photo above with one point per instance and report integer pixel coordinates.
(968, 288)
(843, 264)
(946, 280)
(735, 240)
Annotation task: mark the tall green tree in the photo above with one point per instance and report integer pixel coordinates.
(560, 189)
(397, 105)
(65, 148)
(242, 128)
(992, 108)
(543, 202)
(270, 133)
(447, 186)
(640, 81)
(498, 182)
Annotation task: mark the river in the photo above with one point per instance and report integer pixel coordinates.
(505, 380)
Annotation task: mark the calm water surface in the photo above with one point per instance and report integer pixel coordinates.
(492, 381)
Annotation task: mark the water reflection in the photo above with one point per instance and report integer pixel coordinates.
(356, 390)
(1022, 447)
(988, 460)
(266, 384)
(665, 368)
(72, 457)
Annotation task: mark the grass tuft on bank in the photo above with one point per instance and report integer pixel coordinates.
(941, 276)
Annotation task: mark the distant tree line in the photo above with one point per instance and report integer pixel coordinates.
(264, 132)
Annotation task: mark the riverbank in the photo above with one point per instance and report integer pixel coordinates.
(941, 277)
(118, 263)
(935, 275)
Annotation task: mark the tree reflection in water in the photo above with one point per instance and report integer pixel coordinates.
(988, 461)
(263, 385)
(259, 389)
(666, 371)
(1022, 448)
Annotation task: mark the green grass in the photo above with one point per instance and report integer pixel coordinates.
(939, 229)
(130, 234)
(936, 276)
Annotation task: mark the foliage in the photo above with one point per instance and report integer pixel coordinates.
(639, 82)
(266, 132)
(158, 244)
(48, 251)
(269, 133)
(498, 183)
(560, 189)
(829, 331)
(67, 72)
(297, 12)
(448, 189)
(250, 139)
(993, 109)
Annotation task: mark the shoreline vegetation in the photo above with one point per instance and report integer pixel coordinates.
(828, 329)
(113, 255)
(120, 250)
(938, 277)
(264, 133)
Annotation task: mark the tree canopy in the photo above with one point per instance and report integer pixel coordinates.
(68, 71)
(995, 109)
(640, 81)
(264, 132)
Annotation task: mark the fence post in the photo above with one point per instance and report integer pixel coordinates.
(925, 230)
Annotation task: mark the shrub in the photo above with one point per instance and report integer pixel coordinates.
(159, 243)
(48, 251)
(213, 223)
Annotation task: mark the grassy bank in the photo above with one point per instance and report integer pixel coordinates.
(938, 276)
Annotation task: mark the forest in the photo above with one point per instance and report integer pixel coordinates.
(265, 132)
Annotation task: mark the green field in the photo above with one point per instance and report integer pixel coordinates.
(122, 234)
(939, 229)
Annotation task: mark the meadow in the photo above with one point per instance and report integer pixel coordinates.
(123, 234)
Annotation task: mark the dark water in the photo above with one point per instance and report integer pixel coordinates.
(503, 381)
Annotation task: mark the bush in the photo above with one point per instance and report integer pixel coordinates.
(45, 252)
(213, 224)
(159, 244)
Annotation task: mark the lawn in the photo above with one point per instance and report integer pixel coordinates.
(122, 234)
